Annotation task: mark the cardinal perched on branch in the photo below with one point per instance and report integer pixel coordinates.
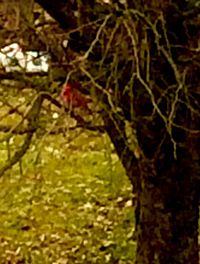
(73, 98)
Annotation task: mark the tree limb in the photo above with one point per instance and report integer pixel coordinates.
(61, 11)
(32, 125)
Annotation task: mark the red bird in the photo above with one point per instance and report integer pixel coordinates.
(73, 98)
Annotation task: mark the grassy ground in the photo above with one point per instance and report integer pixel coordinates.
(69, 203)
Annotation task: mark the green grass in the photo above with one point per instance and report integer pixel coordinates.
(71, 204)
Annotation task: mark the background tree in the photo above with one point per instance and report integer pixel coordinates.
(141, 61)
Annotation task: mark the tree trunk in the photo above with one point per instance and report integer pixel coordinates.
(168, 226)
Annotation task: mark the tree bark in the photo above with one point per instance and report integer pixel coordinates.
(168, 226)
